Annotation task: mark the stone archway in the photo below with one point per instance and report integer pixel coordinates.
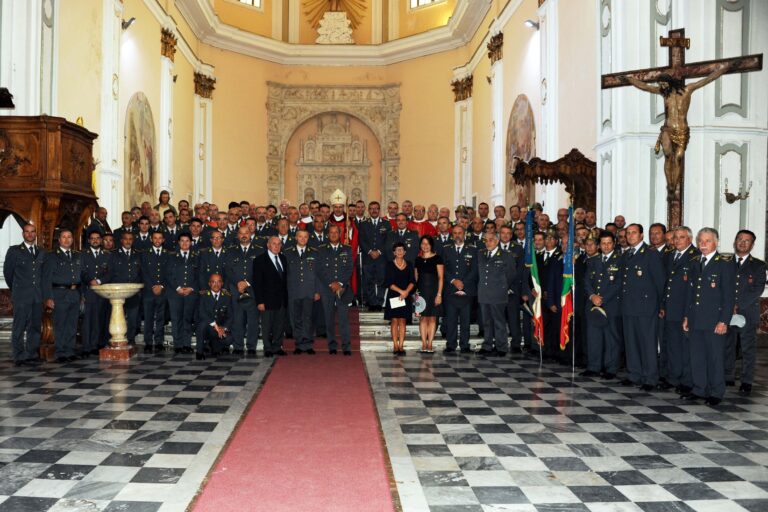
(288, 106)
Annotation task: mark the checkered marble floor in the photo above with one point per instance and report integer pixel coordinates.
(470, 434)
(137, 437)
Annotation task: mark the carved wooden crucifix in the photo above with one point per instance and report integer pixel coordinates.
(670, 81)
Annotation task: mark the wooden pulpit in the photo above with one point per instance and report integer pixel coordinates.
(45, 170)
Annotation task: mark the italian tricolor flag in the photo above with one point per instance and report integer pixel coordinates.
(566, 295)
(530, 262)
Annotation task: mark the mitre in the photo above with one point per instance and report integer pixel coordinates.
(338, 197)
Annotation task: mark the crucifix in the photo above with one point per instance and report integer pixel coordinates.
(670, 84)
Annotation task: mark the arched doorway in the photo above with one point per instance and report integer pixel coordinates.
(376, 107)
(330, 151)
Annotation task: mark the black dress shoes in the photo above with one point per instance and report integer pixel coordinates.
(745, 389)
(664, 385)
(298, 352)
(281, 352)
(484, 352)
(310, 351)
(251, 352)
(712, 401)
(447, 350)
(200, 356)
(647, 387)
(466, 350)
(267, 353)
(332, 352)
(608, 376)
(730, 383)
(500, 354)
(186, 350)
(177, 350)
(62, 360)
(691, 397)
(238, 352)
(588, 373)
(627, 382)
(347, 352)
(149, 349)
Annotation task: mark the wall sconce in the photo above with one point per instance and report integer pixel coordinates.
(126, 24)
(732, 198)
(531, 24)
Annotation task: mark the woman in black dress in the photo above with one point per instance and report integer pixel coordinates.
(429, 282)
(399, 281)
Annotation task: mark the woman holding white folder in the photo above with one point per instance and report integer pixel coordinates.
(399, 280)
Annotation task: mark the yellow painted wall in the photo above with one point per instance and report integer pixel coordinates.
(80, 64)
(245, 17)
(422, 19)
(577, 62)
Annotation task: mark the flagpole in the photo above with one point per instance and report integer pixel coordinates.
(572, 230)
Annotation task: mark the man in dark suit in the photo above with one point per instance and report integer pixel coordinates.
(602, 288)
(303, 264)
(372, 243)
(708, 311)
(238, 271)
(61, 293)
(460, 286)
(335, 274)
(214, 324)
(125, 267)
(182, 281)
(127, 225)
(154, 265)
(23, 272)
(270, 285)
(403, 235)
(199, 240)
(498, 279)
(318, 235)
(750, 284)
(95, 269)
(642, 288)
(172, 230)
(676, 344)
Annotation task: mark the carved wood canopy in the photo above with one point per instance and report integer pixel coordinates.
(289, 106)
(45, 170)
(577, 172)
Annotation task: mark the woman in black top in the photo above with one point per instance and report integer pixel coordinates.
(429, 282)
(399, 281)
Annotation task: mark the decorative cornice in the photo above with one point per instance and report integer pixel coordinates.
(496, 47)
(204, 85)
(462, 88)
(167, 43)
(210, 30)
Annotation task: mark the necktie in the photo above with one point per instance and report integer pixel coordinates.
(127, 254)
(69, 255)
(402, 233)
(245, 250)
(216, 297)
(738, 264)
(546, 257)
(217, 253)
(677, 257)
(605, 259)
(278, 265)
(157, 251)
(458, 250)
(184, 255)
(375, 222)
(301, 253)
(703, 263)
(320, 238)
(32, 251)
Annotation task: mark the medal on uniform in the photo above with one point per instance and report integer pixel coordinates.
(639, 273)
(749, 280)
(685, 277)
(610, 278)
(713, 284)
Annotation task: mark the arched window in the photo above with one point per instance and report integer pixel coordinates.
(423, 3)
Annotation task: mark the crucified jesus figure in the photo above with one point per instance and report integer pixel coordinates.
(675, 134)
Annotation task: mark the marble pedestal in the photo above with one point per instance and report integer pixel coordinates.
(116, 293)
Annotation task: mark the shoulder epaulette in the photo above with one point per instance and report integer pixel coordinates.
(224, 291)
(725, 257)
(696, 258)
(208, 293)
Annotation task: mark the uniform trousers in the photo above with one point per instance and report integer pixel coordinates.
(301, 318)
(183, 311)
(273, 329)
(457, 312)
(334, 308)
(373, 281)
(641, 349)
(495, 326)
(208, 337)
(66, 312)
(603, 346)
(513, 320)
(245, 327)
(708, 363)
(132, 307)
(95, 321)
(747, 338)
(27, 320)
(677, 348)
(154, 319)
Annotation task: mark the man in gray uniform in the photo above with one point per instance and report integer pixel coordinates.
(642, 287)
(303, 290)
(709, 307)
(95, 268)
(154, 262)
(602, 286)
(238, 272)
(335, 292)
(676, 343)
(498, 278)
(750, 284)
(372, 243)
(214, 324)
(61, 292)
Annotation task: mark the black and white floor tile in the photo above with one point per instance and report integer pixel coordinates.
(470, 434)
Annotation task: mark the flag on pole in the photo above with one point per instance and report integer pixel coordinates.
(530, 263)
(566, 295)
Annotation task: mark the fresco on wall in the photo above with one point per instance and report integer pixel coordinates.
(140, 147)
(521, 145)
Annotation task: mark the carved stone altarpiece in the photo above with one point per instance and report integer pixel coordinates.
(378, 107)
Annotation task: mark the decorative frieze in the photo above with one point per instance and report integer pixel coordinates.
(462, 88)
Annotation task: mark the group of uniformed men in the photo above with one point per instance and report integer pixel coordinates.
(663, 308)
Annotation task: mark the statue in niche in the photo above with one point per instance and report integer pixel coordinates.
(309, 195)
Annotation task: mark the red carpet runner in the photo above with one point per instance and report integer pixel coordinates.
(310, 442)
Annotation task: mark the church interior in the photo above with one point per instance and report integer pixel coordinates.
(108, 107)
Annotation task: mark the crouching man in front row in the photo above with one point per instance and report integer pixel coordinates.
(214, 326)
